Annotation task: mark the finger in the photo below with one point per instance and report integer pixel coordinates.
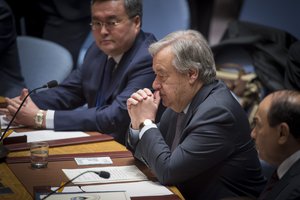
(142, 93)
(157, 97)
(132, 101)
(148, 92)
(11, 103)
(24, 93)
(137, 97)
(3, 111)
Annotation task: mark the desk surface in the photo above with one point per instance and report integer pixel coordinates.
(24, 192)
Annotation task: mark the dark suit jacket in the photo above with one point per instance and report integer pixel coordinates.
(133, 72)
(216, 157)
(288, 188)
(12, 81)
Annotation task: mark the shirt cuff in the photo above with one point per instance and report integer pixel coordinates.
(50, 119)
(145, 128)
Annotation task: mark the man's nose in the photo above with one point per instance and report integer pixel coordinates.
(155, 84)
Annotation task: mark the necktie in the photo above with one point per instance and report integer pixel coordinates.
(106, 81)
(270, 184)
(179, 126)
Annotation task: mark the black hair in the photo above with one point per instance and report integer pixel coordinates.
(285, 107)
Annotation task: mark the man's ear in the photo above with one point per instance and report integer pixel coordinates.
(137, 21)
(193, 75)
(284, 131)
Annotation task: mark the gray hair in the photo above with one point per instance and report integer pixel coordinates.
(132, 7)
(191, 51)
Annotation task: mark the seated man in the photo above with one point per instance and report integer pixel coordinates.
(116, 26)
(277, 137)
(202, 144)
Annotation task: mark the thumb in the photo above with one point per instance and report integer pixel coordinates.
(23, 93)
(157, 97)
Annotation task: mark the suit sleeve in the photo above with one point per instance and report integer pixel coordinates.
(208, 142)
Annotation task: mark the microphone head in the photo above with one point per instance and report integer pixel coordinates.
(103, 174)
(51, 84)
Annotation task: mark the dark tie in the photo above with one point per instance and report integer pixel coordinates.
(106, 81)
(270, 184)
(179, 126)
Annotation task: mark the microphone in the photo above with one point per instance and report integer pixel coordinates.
(3, 149)
(50, 84)
(102, 174)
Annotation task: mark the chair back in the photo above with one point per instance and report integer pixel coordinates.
(42, 61)
(86, 44)
(163, 17)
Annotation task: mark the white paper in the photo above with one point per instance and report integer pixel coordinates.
(4, 123)
(94, 161)
(117, 195)
(117, 174)
(47, 135)
(133, 189)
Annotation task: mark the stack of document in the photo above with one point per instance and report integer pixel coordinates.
(119, 195)
(136, 183)
(117, 174)
(132, 189)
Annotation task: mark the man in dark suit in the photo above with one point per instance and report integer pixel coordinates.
(202, 144)
(11, 79)
(116, 28)
(277, 138)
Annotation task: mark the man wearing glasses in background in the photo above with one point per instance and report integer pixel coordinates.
(116, 26)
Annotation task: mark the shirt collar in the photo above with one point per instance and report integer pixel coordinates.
(287, 164)
(186, 108)
(116, 58)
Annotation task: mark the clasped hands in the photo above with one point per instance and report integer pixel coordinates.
(27, 112)
(142, 105)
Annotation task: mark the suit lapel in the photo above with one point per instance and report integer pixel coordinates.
(171, 115)
(123, 66)
(198, 99)
(98, 71)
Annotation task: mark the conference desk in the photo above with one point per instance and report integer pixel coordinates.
(17, 174)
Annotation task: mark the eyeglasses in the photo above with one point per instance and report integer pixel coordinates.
(109, 25)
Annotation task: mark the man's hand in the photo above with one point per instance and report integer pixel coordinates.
(142, 105)
(27, 112)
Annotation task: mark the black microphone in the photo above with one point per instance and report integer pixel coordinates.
(3, 150)
(102, 174)
(50, 84)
